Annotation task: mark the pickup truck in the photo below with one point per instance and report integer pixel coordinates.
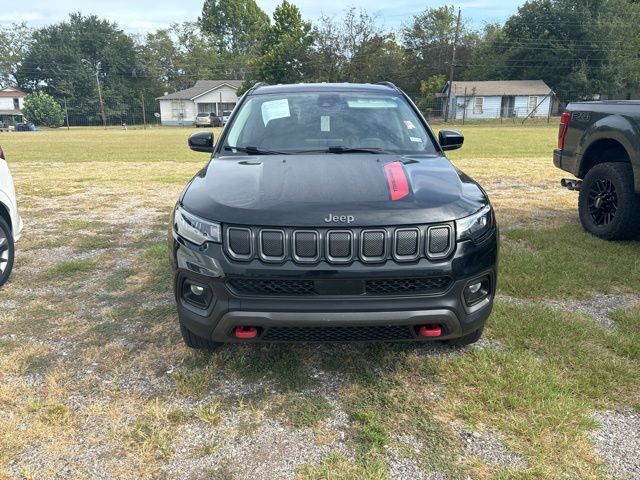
(599, 143)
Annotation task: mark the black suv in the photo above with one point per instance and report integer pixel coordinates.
(328, 212)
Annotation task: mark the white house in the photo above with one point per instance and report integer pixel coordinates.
(206, 96)
(11, 104)
(495, 99)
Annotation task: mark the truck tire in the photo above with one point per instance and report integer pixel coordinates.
(194, 341)
(7, 252)
(608, 205)
(467, 339)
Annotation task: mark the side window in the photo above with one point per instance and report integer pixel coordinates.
(478, 106)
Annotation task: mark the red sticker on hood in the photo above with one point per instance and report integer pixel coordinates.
(397, 180)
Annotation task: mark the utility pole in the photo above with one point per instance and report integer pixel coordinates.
(452, 68)
(144, 115)
(66, 112)
(104, 117)
(97, 67)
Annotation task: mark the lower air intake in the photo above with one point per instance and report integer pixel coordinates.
(338, 334)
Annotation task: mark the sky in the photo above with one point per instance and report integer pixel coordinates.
(140, 16)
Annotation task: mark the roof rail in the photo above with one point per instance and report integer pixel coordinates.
(258, 85)
(389, 84)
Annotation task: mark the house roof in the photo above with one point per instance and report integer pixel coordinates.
(10, 112)
(200, 88)
(12, 92)
(500, 88)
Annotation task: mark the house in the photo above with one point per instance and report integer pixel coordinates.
(11, 104)
(625, 94)
(495, 99)
(206, 96)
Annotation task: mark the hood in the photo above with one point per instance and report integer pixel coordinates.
(323, 190)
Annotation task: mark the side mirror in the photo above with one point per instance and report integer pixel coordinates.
(201, 142)
(450, 139)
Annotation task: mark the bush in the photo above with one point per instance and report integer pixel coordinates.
(41, 109)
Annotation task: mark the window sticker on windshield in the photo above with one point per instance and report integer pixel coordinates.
(409, 124)
(415, 139)
(371, 103)
(325, 123)
(275, 109)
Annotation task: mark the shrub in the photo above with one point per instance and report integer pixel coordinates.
(41, 109)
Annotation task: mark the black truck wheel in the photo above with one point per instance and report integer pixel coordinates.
(194, 341)
(6, 252)
(608, 205)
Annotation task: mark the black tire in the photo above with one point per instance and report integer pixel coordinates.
(192, 340)
(467, 339)
(7, 252)
(608, 205)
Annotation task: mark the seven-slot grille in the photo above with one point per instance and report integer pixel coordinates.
(339, 246)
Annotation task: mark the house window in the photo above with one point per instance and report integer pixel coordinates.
(227, 107)
(177, 108)
(533, 104)
(478, 105)
(16, 104)
(206, 108)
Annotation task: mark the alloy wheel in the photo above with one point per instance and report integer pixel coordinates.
(4, 252)
(603, 202)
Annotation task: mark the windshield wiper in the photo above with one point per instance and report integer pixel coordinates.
(255, 150)
(343, 149)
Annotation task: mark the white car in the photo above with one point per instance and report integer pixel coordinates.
(225, 116)
(10, 221)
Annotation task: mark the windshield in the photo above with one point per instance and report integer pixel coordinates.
(332, 122)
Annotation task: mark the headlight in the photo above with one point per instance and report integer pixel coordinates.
(196, 229)
(474, 226)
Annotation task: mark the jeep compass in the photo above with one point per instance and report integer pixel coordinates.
(329, 212)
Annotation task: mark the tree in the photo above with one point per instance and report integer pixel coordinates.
(15, 40)
(42, 109)
(286, 47)
(234, 26)
(429, 42)
(356, 50)
(64, 59)
(580, 48)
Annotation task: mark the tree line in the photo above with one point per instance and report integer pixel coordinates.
(578, 47)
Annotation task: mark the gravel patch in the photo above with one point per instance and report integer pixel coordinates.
(402, 462)
(600, 307)
(488, 446)
(271, 451)
(618, 442)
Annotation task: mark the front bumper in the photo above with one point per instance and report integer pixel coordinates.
(400, 314)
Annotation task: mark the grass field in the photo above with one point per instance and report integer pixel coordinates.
(96, 383)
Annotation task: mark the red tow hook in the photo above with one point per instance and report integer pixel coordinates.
(246, 332)
(431, 330)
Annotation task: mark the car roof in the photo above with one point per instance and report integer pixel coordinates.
(323, 87)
